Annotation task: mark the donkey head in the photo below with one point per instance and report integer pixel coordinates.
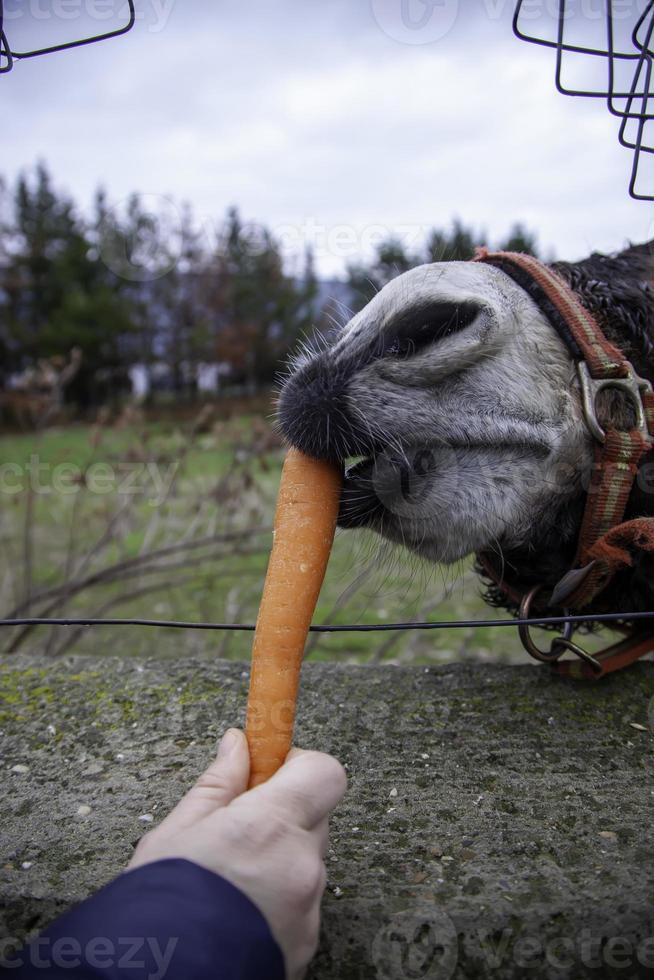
(463, 405)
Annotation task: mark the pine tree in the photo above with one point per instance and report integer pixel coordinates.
(365, 280)
(58, 295)
(520, 240)
(259, 310)
(457, 244)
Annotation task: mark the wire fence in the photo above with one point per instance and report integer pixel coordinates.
(608, 55)
(8, 55)
(543, 621)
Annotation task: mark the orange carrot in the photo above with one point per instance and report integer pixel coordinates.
(305, 520)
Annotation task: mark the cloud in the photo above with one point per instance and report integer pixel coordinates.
(315, 119)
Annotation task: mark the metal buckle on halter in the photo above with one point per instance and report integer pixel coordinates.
(558, 645)
(633, 385)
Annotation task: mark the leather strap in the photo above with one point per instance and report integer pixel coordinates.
(614, 658)
(575, 325)
(614, 471)
(617, 452)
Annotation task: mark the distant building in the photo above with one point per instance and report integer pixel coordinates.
(330, 310)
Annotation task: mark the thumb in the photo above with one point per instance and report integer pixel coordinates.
(226, 778)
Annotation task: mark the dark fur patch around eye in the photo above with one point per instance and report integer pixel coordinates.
(422, 325)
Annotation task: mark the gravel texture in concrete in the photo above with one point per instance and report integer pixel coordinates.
(498, 821)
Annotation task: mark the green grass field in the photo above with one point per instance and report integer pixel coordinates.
(86, 511)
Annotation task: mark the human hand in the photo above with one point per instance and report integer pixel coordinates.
(269, 841)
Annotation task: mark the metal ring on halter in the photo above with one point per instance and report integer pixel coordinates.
(547, 657)
(566, 644)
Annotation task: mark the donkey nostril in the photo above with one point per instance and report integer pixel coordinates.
(418, 327)
(423, 462)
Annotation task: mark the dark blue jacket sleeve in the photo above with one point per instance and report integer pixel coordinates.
(170, 920)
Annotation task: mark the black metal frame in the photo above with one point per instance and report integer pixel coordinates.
(634, 107)
(8, 57)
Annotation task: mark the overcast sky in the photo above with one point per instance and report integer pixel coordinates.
(329, 120)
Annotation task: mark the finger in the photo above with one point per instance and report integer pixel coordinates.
(226, 778)
(307, 787)
(320, 833)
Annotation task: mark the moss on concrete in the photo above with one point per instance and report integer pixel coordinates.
(487, 805)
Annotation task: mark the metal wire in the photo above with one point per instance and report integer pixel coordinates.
(9, 56)
(632, 103)
(5, 53)
(544, 621)
(640, 53)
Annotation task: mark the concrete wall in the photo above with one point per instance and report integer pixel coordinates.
(498, 821)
